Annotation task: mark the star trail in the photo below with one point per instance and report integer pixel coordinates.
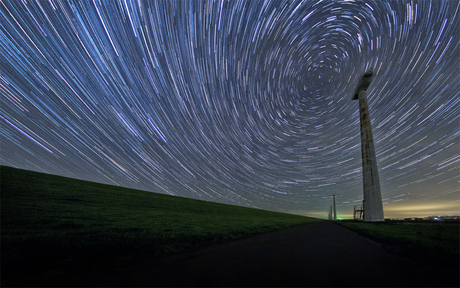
(239, 102)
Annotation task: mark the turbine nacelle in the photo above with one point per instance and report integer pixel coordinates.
(363, 84)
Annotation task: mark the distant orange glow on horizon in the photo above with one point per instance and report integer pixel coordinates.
(397, 211)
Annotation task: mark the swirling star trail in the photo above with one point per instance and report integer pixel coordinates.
(240, 102)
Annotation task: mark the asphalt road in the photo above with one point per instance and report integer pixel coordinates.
(321, 254)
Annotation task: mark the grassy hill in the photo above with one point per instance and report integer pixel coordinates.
(52, 225)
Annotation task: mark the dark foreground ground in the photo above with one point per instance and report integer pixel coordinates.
(321, 254)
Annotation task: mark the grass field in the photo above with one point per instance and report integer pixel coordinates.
(52, 225)
(434, 243)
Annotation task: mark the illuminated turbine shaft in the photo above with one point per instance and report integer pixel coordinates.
(373, 208)
(335, 213)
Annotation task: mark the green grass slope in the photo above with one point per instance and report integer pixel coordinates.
(52, 225)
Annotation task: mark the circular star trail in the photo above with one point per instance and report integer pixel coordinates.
(240, 102)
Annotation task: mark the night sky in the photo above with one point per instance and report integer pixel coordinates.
(239, 102)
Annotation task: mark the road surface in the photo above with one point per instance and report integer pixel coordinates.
(321, 254)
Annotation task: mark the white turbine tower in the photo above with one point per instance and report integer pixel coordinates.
(373, 208)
